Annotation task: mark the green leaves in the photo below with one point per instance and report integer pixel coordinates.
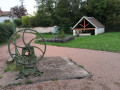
(18, 22)
(106, 11)
(6, 31)
(66, 13)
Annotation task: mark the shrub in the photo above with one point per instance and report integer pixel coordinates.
(61, 34)
(29, 82)
(65, 25)
(25, 21)
(42, 20)
(32, 21)
(6, 31)
(18, 22)
(7, 21)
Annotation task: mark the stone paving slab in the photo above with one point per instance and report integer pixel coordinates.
(53, 68)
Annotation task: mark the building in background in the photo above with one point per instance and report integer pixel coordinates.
(6, 17)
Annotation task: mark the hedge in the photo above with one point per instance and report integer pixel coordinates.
(6, 31)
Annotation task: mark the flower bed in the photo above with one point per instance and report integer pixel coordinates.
(59, 40)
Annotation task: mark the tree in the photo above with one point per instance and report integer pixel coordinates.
(25, 21)
(68, 13)
(19, 11)
(106, 11)
(65, 13)
(44, 12)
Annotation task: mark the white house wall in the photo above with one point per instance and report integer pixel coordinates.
(5, 18)
(99, 30)
(74, 32)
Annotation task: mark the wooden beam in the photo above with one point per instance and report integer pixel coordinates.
(81, 25)
(84, 28)
(84, 22)
(87, 24)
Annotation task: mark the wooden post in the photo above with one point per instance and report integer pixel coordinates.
(84, 23)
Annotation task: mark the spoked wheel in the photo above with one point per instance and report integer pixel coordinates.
(26, 45)
(25, 52)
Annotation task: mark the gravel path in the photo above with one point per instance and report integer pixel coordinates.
(104, 66)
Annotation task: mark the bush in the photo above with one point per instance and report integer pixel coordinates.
(18, 22)
(6, 31)
(7, 21)
(65, 25)
(25, 21)
(32, 21)
(29, 82)
(61, 34)
(43, 20)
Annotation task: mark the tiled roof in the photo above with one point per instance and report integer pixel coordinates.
(1, 12)
(7, 12)
(92, 20)
(95, 22)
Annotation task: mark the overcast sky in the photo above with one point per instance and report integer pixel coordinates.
(7, 4)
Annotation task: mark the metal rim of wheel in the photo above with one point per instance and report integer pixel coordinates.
(17, 55)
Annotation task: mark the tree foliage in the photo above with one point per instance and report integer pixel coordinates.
(6, 30)
(58, 12)
(66, 13)
(106, 11)
(19, 11)
(25, 21)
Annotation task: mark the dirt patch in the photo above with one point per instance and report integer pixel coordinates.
(105, 87)
(117, 83)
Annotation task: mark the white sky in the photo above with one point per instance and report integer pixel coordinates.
(7, 4)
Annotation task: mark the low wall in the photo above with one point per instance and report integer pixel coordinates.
(42, 29)
(58, 40)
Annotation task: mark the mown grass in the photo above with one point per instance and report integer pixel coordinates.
(3, 43)
(105, 42)
(49, 35)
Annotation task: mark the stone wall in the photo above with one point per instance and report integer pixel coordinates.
(42, 29)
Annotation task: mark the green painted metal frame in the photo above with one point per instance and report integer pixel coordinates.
(25, 60)
(10, 40)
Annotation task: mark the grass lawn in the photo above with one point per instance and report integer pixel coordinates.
(49, 35)
(6, 42)
(105, 42)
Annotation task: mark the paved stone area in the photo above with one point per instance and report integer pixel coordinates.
(104, 66)
(53, 68)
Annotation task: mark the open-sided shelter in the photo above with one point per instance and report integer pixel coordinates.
(88, 26)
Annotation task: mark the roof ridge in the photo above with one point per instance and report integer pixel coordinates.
(92, 20)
